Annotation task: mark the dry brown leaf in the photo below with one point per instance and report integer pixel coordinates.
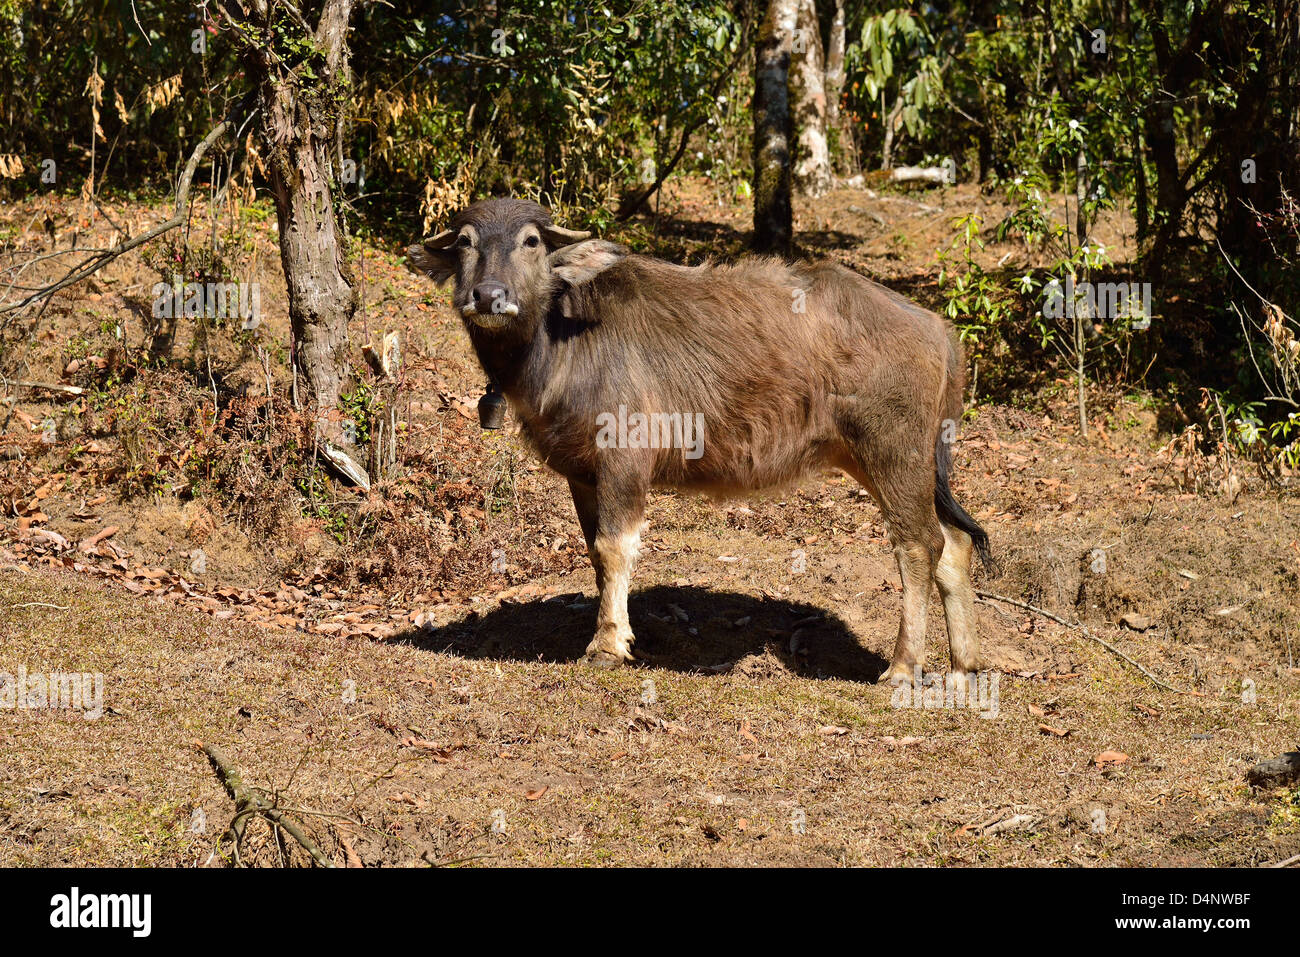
(98, 537)
(441, 755)
(345, 830)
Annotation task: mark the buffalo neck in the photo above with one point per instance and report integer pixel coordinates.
(510, 355)
(521, 362)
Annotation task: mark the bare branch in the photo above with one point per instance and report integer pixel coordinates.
(93, 264)
(248, 802)
(987, 596)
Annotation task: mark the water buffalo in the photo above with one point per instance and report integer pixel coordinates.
(738, 377)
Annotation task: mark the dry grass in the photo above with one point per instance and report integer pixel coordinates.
(718, 770)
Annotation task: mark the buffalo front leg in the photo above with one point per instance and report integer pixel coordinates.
(615, 545)
(584, 502)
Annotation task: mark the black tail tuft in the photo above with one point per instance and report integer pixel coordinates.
(950, 512)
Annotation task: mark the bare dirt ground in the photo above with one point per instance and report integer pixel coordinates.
(399, 669)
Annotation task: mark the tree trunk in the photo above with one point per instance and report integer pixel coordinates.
(983, 17)
(812, 172)
(892, 122)
(300, 123)
(1080, 197)
(835, 67)
(984, 148)
(1141, 208)
(1162, 144)
(834, 84)
(773, 214)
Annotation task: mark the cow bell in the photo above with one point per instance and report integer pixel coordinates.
(492, 409)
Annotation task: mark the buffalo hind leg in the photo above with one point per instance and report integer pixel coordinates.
(953, 577)
(906, 500)
(916, 565)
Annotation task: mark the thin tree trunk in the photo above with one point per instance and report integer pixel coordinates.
(891, 126)
(835, 67)
(834, 84)
(1141, 208)
(1163, 147)
(773, 214)
(812, 172)
(1080, 197)
(1080, 345)
(984, 19)
(1084, 326)
(300, 123)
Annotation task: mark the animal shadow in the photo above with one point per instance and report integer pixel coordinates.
(687, 629)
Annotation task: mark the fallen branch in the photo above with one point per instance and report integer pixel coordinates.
(51, 387)
(921, 174)
(248, 803)
(1027, 607)
(985, 596)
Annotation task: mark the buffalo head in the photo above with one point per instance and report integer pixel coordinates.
(509, 262)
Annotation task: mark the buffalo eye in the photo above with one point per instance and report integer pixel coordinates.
(532, 242)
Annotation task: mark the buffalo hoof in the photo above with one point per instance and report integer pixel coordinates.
(604, 660)
(898, 673)
(970, 673)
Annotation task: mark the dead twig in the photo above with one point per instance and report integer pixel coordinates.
(96, 262)
(248, 803)
(50, 387)
(986, 596)
(459, 860)
(1020, 604)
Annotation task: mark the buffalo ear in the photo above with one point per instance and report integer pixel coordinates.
(577, 265)
(434, 256)
(582, 262)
